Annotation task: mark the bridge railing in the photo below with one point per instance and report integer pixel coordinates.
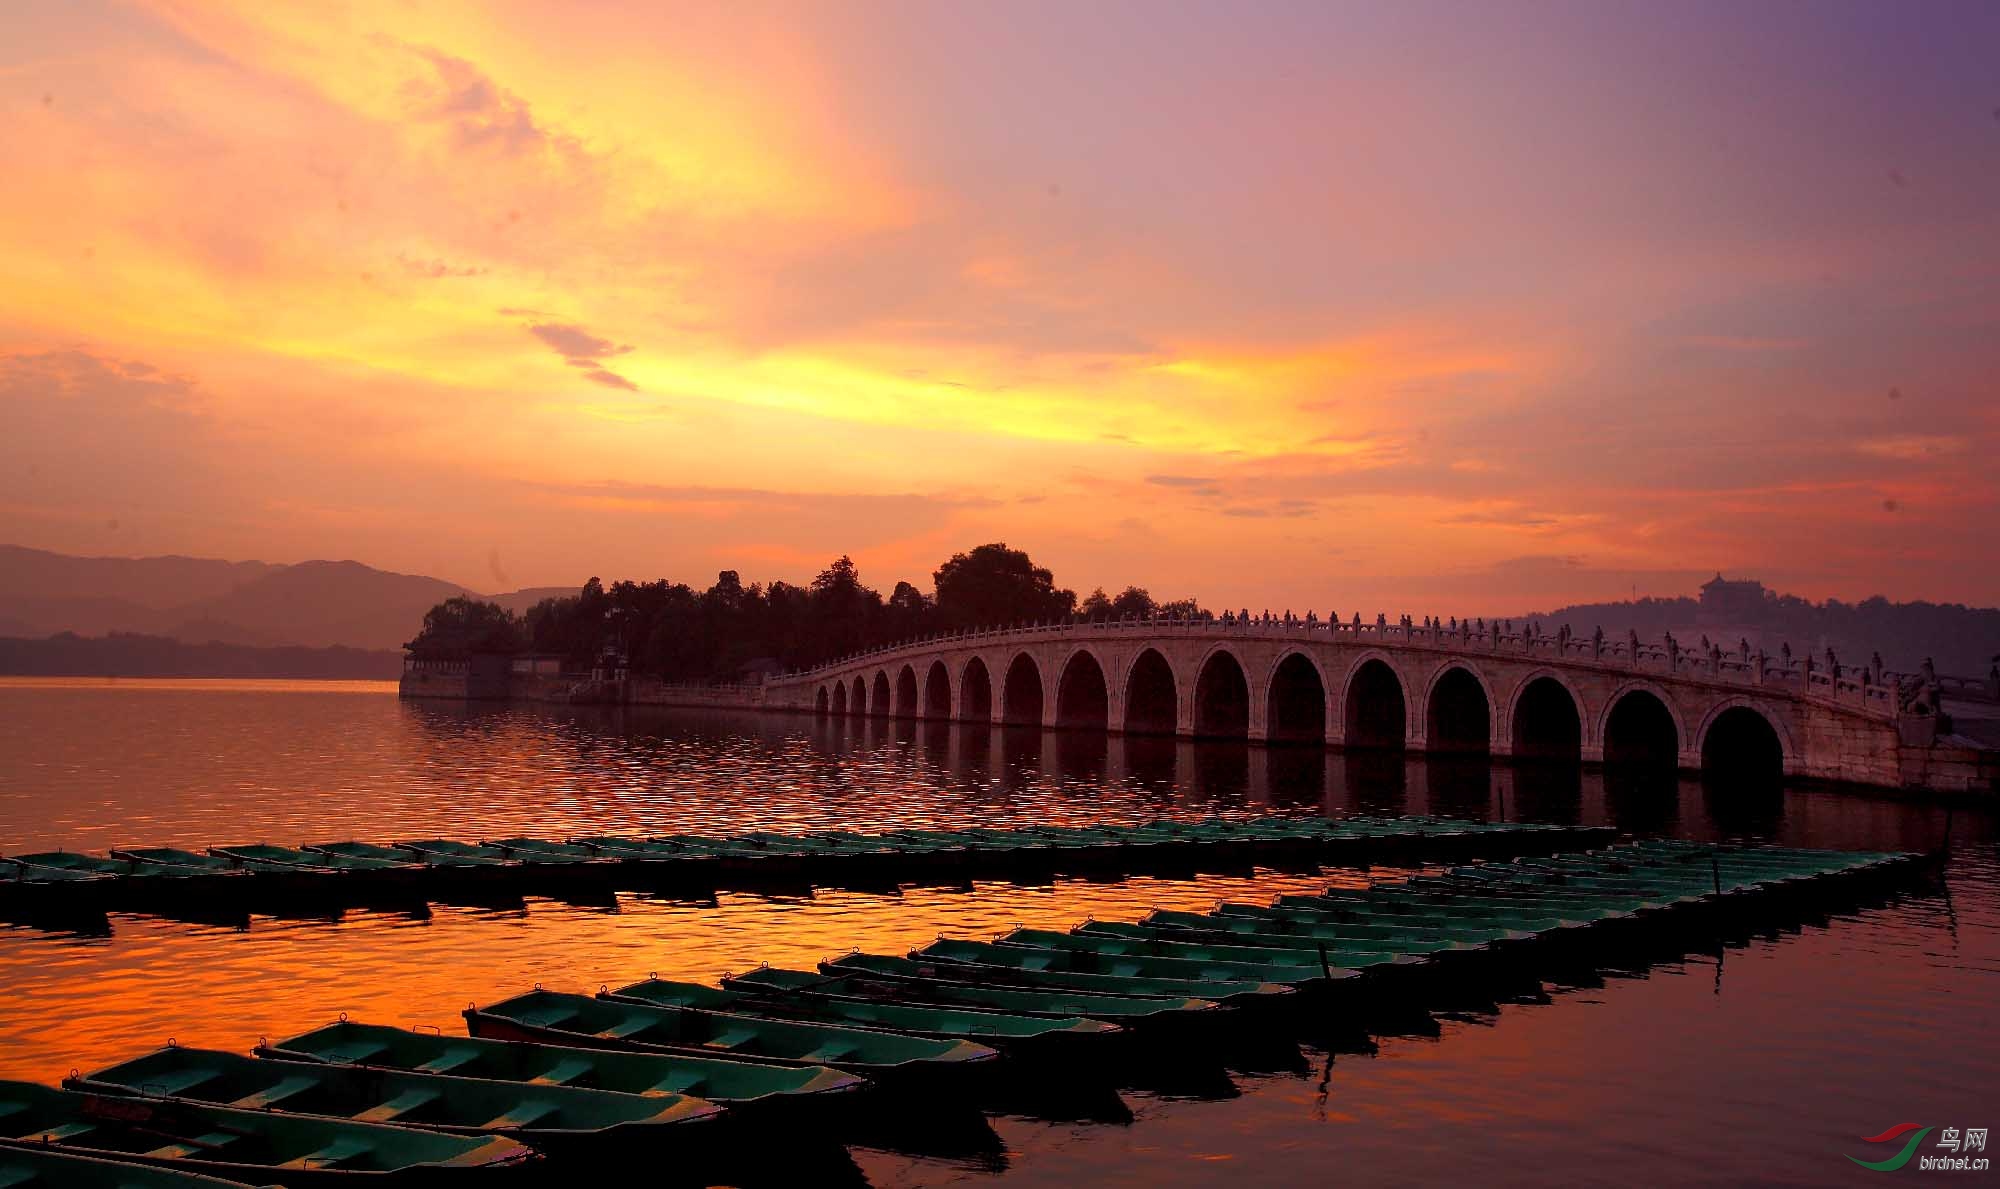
(1859, 687)
(435, 668)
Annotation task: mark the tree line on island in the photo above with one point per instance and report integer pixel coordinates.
(672, 631)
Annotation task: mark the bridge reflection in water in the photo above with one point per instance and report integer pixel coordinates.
(1015, 762)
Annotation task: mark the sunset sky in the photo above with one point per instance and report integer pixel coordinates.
(1454, 308)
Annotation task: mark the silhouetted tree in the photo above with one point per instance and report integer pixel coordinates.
(993, 584)
(909, 612)
(1133, 601)
(461, 626)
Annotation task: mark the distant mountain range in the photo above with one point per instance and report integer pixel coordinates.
(313, 604)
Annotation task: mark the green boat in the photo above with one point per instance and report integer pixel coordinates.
(914, 855)
(133, 885)
(1731, 872)
(1015, 1035)
(901, 841)
(1389, 914)
(829, 858)
(15, 869)
(548, 1017)
(1485, 897)
(1278, 965)
(292, 856)
(1463, 902)
(449, 851)
(174, 859)
(541, 850)
(34, 1168)
(1397, 935)
(348, 879)
(396, 854)
(1067, 848)
(546, 1116)
(818, 842)
(1553, 897)
(50, 893)
(1223, 982)
(751, 1090)
(744, 858)
(771, 845)
(1268, 947)
(979, 961)
(264, 879)
(301, 1150)
(880, 976)
(972, 841)
(620, 847)
(64, 860)
(481, 881)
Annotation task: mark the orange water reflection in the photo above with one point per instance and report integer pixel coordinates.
(83, 1004)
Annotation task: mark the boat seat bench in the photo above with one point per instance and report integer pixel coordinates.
(527, 1114)
(401, 1104)
(272, 1095)
(200, 1145)
(448, 1060)
(564, 1072)
(173, 1085)
(333, 1155)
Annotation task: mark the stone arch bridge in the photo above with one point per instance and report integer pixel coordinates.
(1391, 686)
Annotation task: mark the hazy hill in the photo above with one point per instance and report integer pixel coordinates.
(154, 582)
(1962, 640)
(318, 603)
(197, 600)
(123, 655)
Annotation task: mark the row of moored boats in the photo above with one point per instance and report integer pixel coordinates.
(164, 878)
(796, 1052)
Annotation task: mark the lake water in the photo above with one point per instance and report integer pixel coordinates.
(1766, 1060)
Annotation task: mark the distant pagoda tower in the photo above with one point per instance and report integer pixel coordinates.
(1731, 604)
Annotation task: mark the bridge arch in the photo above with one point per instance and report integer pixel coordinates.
(1545, 719)
(1641, 726)
(975, 691)
(859, 701)
(1221, 695)
(1740, 739)
(1021, 692)
(1458, 710)
(1374, 703)
(821, 702)
(1295, 700)
(1152, 695)
(1082, 697)
(937, 691)
(906, 693)
(878, 694)
(839, 703)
